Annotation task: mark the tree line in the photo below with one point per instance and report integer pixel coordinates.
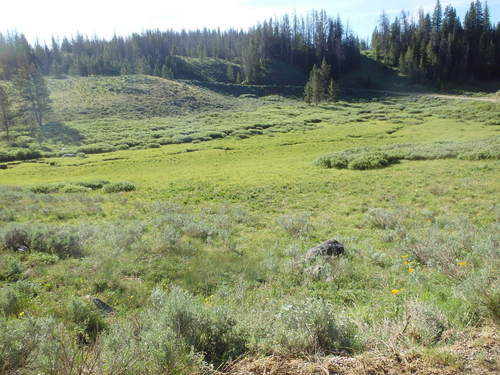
(300, 41)
(439, 46)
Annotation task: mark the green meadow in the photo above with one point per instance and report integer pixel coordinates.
(194, 227)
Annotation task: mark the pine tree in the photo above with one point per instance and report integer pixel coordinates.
(34, 94)
(230, 73)
(325, 74)
(308, 93)
(332, 91)
(316, 89)
(5, 111)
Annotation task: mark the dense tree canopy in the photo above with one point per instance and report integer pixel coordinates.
(297, 40)
(439, 46)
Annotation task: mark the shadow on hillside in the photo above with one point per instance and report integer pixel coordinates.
(374, 76)
(256, 90)
(59, 133)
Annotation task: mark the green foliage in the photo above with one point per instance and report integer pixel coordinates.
(371, 160)
(309, 326)
(22, 342)
(379, 157)
(89, 322)
(208, 330)
(10, 304)
(59, 241)
(118, 187)
(97, 148)
(235, 241)
(19, 155)
(93, 184)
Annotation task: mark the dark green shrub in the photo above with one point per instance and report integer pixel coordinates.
(94, 185)
(47, 188)
(27, 154)
(371, 161)
(118, 187)
(323, 161)
(15, 238)
(10, 302)
(214, 134)
(97, 148)
(60, 241)
(165, 141)
(89, 321)
(182, 139)
(122, 146)
(24, 154)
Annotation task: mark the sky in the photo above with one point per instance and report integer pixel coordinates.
(41, 19)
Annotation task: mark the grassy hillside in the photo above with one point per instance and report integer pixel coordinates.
(134, 96)
(201, 248)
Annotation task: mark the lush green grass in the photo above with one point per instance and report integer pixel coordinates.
(205, 260)
(140, 112)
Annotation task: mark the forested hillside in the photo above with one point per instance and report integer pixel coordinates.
(299, 41)
(439, 46)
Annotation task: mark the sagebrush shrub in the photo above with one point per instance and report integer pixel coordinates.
(309, 326)
(384, 219)
(210, 331)
(63, 242)
(295, 225)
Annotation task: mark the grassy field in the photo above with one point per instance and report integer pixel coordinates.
(204, 259)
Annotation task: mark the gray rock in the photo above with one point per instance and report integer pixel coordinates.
(22, 248)
(101, 305)
(69, 156)
(327, 248)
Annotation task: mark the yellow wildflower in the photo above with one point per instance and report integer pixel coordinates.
(395, 291)
(404, 256)
(406, 262)
(410, 270)
(21, 314)
(462, 264)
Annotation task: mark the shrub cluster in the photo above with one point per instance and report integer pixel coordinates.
(371, 158)
(22, 154)
(61, 241)
(83, 186)
(118, 187)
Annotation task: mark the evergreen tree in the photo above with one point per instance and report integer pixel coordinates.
(308, 93)
(5, 111)
(332, 91)
(230, 73)
(325, 75)
(34, 94)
